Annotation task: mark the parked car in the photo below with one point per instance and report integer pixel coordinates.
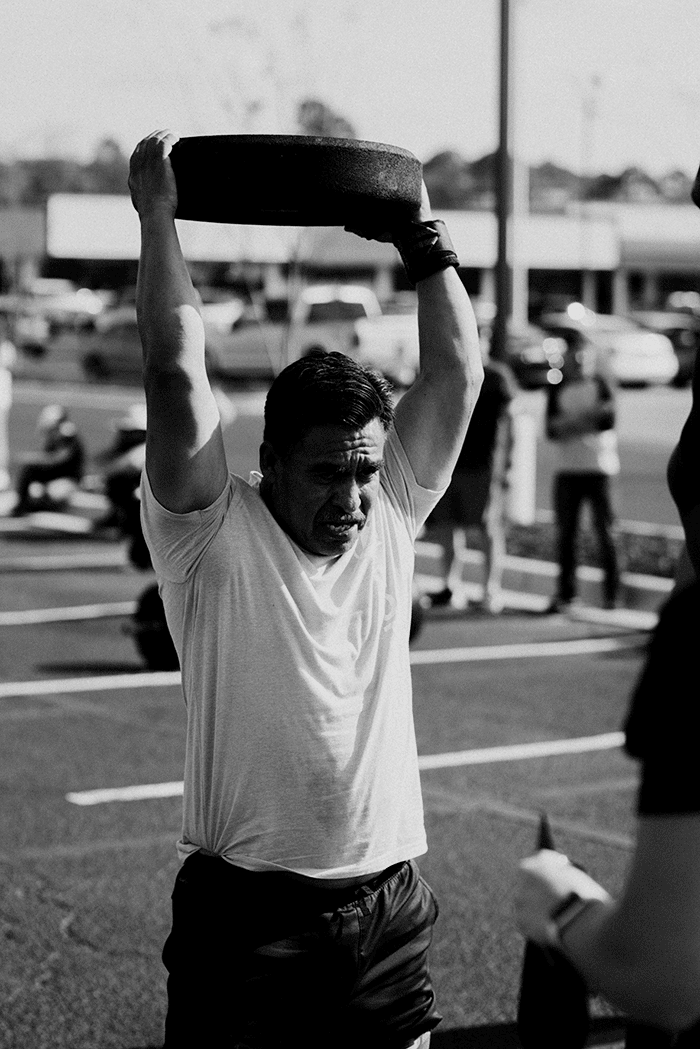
(683, 329)
(345, 318)
(534, 357)
(634, 355)
(112, 350)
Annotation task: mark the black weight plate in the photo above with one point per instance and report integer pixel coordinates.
(294, 180)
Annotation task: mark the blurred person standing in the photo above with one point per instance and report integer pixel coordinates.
(299, 913)
(475, 502)
(63, 456)
(580, 420)
(8, 360)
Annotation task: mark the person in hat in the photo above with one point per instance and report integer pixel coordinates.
(299, 913)
(63, 456)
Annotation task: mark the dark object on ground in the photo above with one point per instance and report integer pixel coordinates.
(553, 1003)
(295, 180)
(150, 632)
(417, 617)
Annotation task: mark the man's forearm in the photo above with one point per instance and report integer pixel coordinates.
(169, 320)
(447, 330)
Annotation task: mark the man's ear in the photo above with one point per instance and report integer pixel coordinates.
(268, 458)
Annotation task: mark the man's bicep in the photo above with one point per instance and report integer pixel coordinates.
(431, 422)
(185, 456)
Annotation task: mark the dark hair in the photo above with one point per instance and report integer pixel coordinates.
(324, 389)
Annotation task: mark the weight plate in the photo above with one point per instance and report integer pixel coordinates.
(294, 180)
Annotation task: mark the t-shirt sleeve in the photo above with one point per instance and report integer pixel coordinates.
(398, 481)
(661, 726)
(177, 541)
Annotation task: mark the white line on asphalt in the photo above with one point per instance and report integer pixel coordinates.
(161, 678)
(520, 751)
(577, 647)
(27, 616)
(480, 756)
(105, 683)
(164, 678)
(140, 793)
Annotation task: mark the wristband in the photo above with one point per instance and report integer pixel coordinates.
(425, 248)
(566, 912)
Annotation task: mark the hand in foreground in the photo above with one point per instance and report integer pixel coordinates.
(151, 178)
(544, 880)
(387, 236)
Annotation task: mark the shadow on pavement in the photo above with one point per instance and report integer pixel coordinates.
(91, 668)
(604, 1031)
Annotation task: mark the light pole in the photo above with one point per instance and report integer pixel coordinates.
(504, 189)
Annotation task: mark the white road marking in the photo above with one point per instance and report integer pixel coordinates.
(27, 616)
(524, 650)
(165, 678)
(105, 683)
(138, 793)
(519, 751)
(112, 557)
(480, 756)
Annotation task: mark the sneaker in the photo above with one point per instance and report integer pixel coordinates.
(441, 598)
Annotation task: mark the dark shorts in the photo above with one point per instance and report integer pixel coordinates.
(258, 960)
(465, 502)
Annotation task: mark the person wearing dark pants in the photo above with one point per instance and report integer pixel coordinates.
(299, 915)
(580, 420)
(571, 491)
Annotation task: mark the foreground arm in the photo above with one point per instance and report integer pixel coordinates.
(643, 951)
(185, 458)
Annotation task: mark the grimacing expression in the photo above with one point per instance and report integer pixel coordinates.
(321, 492)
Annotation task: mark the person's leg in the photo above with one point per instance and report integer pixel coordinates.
(567, 504)
(258, 960)
(603, 514)
(393, 1003)
(494, 545)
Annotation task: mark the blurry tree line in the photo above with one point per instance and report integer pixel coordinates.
(452, 180)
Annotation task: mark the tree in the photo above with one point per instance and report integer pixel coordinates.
(316, 118)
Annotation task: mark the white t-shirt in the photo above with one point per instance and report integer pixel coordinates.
(301, 750)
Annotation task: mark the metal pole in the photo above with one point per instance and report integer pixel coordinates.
(504, 191)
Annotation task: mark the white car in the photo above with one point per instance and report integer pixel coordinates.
(634, 355)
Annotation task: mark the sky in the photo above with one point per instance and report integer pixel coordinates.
(598, 85)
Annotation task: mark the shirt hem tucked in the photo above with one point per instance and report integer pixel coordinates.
(348, 870)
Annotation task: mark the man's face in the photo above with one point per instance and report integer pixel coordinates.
(322, 491)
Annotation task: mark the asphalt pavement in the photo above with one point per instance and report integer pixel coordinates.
(514, 714)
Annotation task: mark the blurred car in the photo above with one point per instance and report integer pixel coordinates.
(684, 302)
(534, 356)
(29, 331)
(683, 329)
(46, 307)
(112, 350)
(634, 355)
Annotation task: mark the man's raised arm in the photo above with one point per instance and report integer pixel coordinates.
(185, 458)
(432, 417)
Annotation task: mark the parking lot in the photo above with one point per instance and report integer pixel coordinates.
(514, 715)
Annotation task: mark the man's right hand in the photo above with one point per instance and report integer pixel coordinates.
(151, 178)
